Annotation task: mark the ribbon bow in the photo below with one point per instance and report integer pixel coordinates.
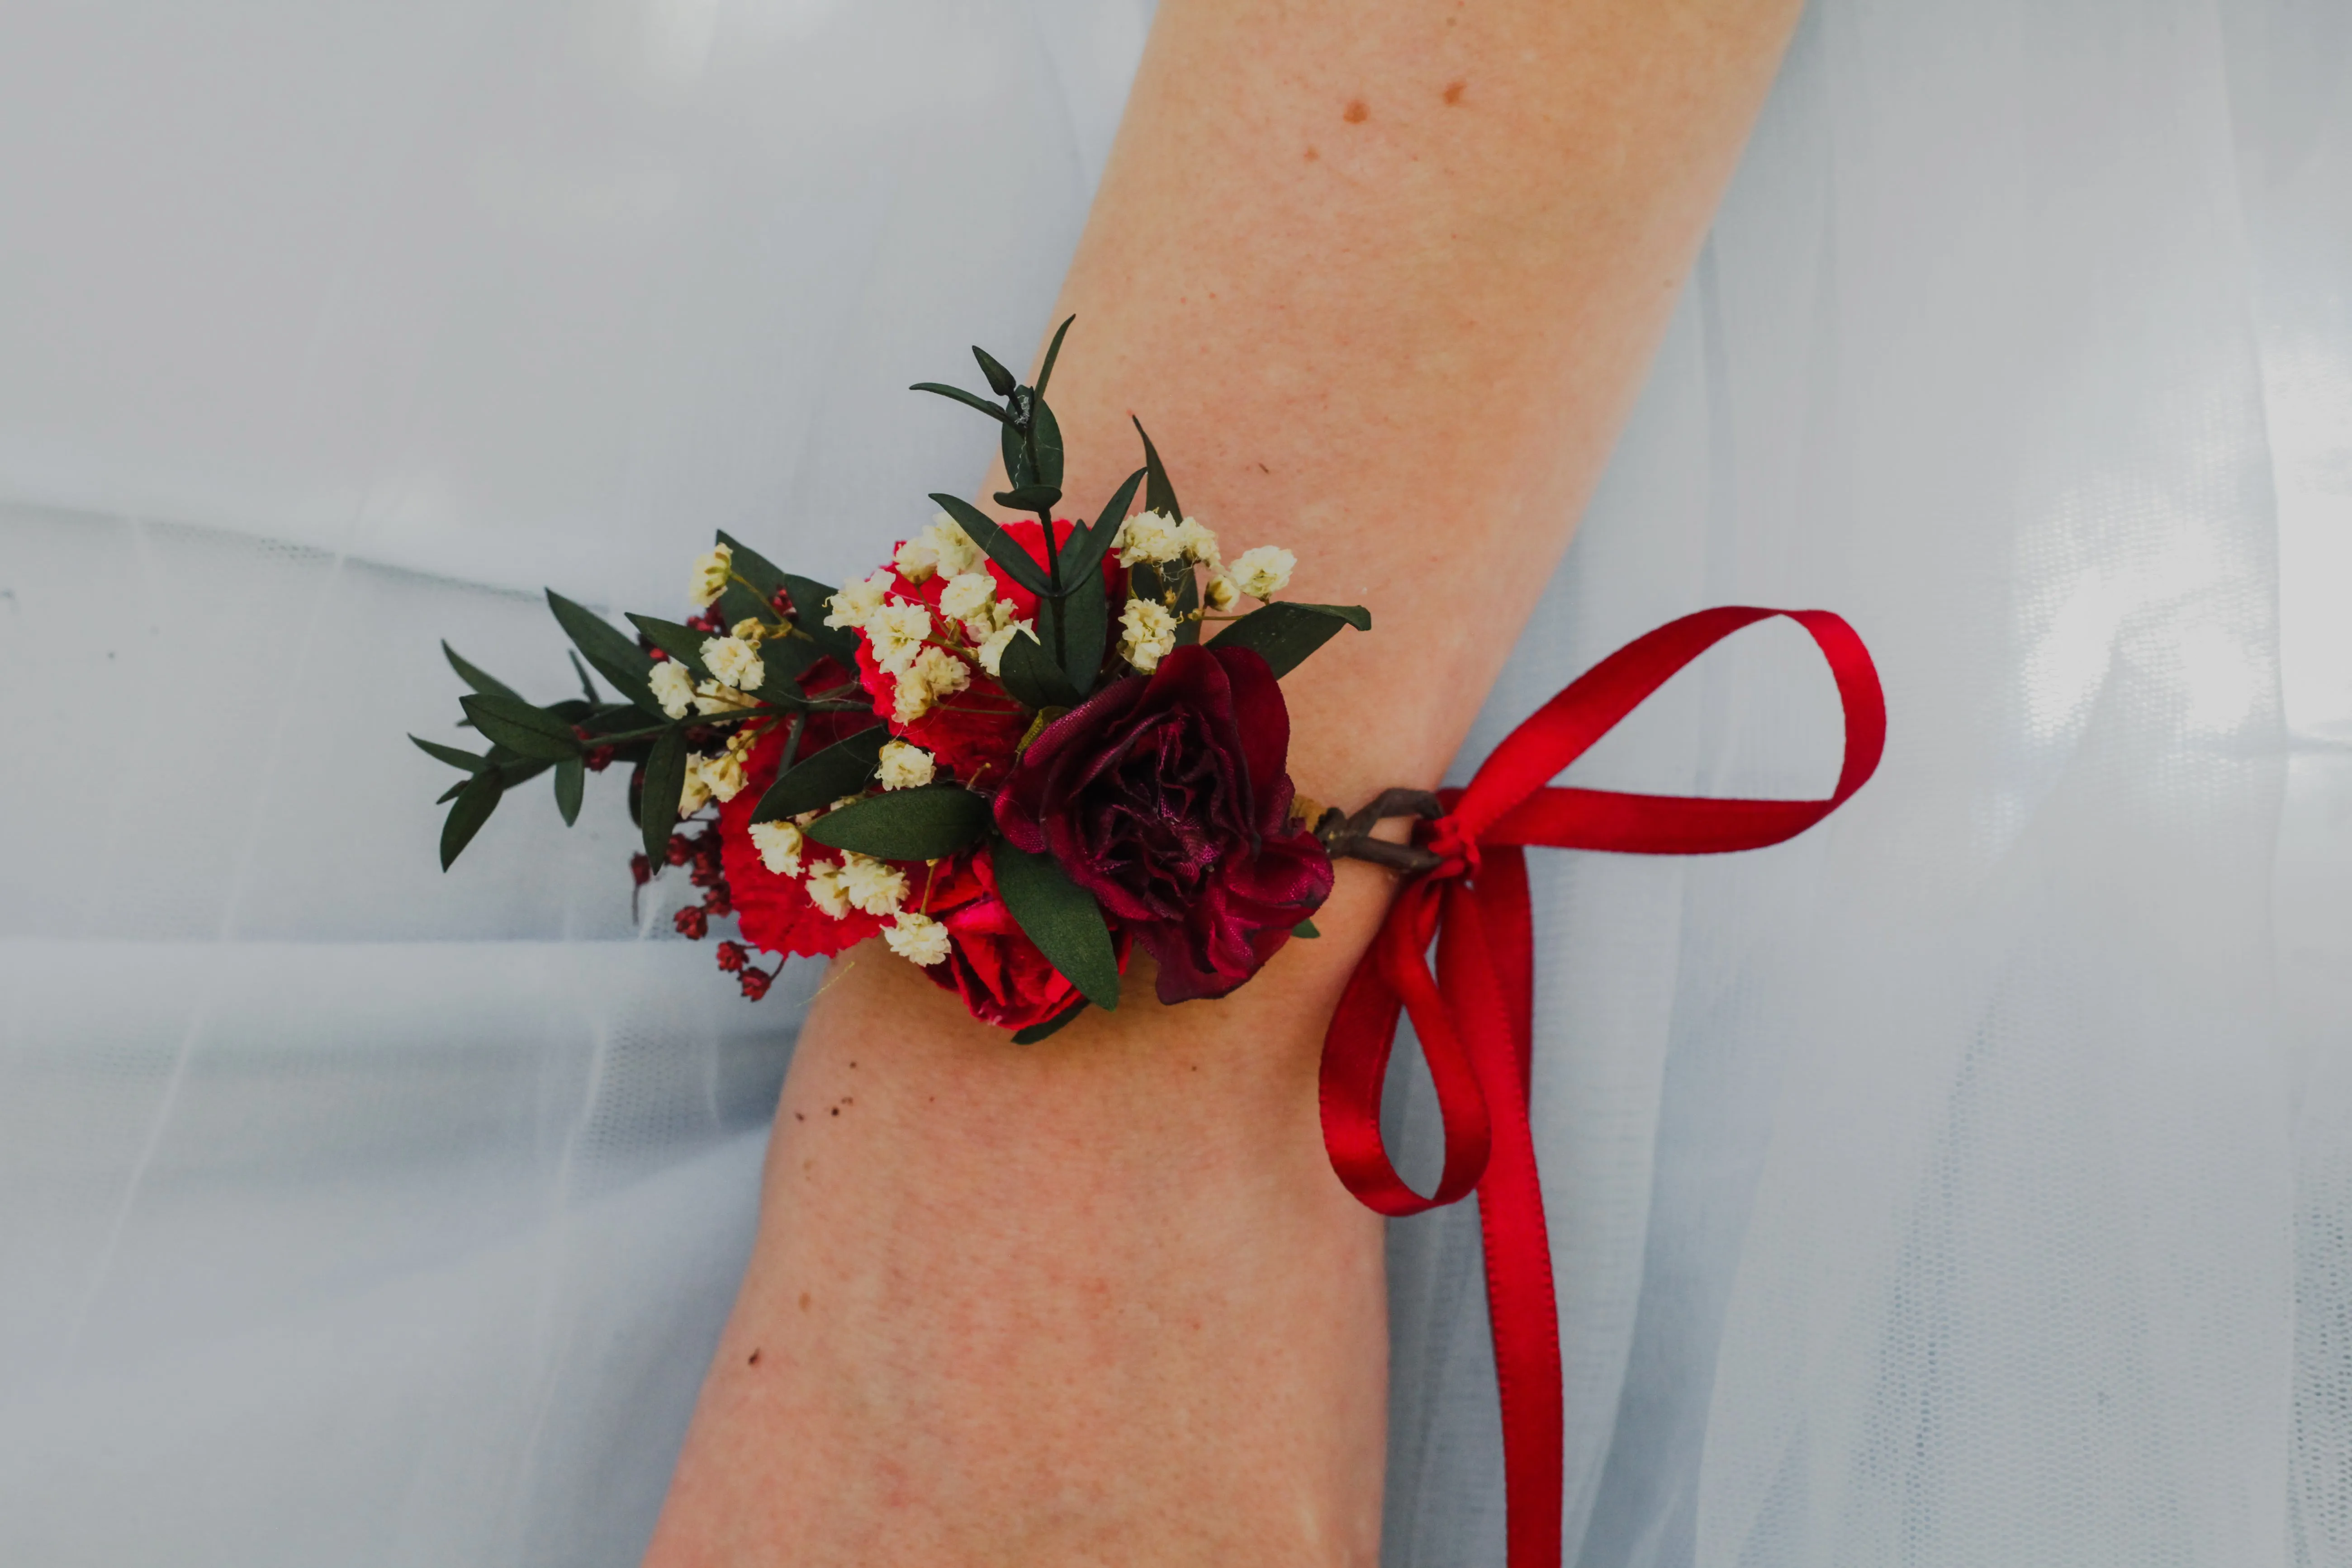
(1475, 1014)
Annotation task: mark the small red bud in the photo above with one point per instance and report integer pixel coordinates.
(755, 983)
(600, 758)
(732, 956)
(679, 849)
(692, 923)
(641, 870)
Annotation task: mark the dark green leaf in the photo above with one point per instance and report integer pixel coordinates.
(1000, 545)
(1286, 633)
(570, 779)
(1000, 380)
(611, 650)
(477, 798)
(960, 395)
(1036, 1032)
(1018, 471)
(682, 643)
(822, 777)
(1061, 918)
(664, 786)
(1030, 674)
(571, 711)
(809, 610)
(785, 659)
(1086, 619)
(452, 755)
(930, 823)
(1046, 445)
(751, 566)
(1089, 545)
(620, 718)
(1305, 928)
(738, 604)
(1029, 497)
(1053, 353)
(587, 687)
(481, 681)
(521, 728)
(1159, 494)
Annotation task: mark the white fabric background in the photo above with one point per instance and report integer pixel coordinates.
(1969, 1182)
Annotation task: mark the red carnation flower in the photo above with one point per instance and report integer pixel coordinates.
(1165, 796)
(991, 963)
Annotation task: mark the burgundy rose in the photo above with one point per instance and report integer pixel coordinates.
(1165, 796)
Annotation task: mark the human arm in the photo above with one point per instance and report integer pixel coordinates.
(1383, 280)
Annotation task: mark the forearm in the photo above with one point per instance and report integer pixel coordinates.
(1381, 280)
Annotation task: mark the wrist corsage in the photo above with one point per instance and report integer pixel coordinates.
(1010, 751)
(1013, 754)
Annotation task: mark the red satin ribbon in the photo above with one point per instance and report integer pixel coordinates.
(1475, 1014)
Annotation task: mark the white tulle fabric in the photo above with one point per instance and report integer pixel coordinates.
(1967, 1183)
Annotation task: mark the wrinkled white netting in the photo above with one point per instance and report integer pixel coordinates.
(1969, 1182)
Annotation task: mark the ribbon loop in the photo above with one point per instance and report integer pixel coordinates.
(1475, 1014)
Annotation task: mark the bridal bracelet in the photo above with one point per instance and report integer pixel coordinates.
(1020, 750)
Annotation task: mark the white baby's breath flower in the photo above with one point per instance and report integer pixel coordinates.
(905, 766)
(967, 596)
(779, 844)
(1197, 542)
(917, 938)
(826, 890)
(896, 631)
(1147, 634)
(853, 604)
(1152, 536)
(694, 795)
(952, 547)
(1221, 594)
(710, 574)
(715, 697)
(735, 662)
(723, 774)
(935, 673)
(916, 559)
(875, 886)
(1263, 573)
(991, 653)
(673, 688)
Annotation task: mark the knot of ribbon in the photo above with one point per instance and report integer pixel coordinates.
(1475, 1013)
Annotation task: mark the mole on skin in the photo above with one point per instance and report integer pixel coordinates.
(1454, 91)
(1356, 112)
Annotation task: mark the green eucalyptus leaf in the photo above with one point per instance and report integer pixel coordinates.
(613, 652)
(960, 395)
(822, 777)
(999, 544)
(665, 787)
(1018, 470)
(751, 566)
(682, 643)
(479, 680)
(1061, 918)
(1030, 674)
(738, 604)
(1053, 353)
(454, 756)
(477, 798)
(1159, 494)
(929, 823)
(1086, 620)
(1051, 1026)
(1285, 633)
(570, 780)
(1029, 497)
(521, 728)
(1305, 930)
(1089, 545)
(1046, 445)
(1000, 381)
(587, 687)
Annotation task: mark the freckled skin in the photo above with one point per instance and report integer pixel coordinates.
(1100, 1299)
